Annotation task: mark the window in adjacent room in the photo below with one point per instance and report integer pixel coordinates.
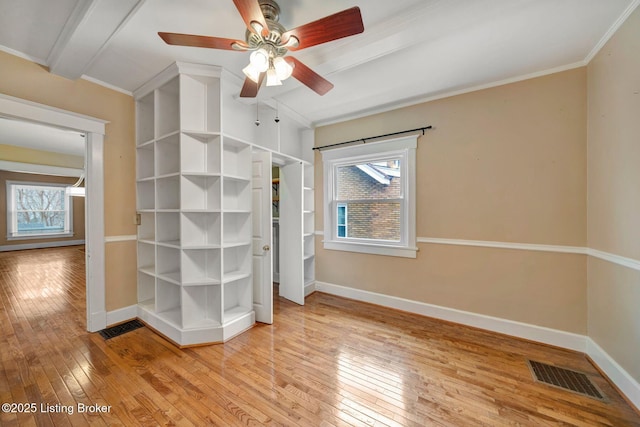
(38, 210)
(370, 198)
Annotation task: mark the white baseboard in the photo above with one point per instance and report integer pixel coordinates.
(122, 315)
(621, 378)
(616, 373)
(41, 245)
(504, 326)
(309, 288)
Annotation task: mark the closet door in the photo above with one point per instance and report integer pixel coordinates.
(262, 238)
(291, 233)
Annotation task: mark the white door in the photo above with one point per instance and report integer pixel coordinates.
(262, 224)
(291, 243)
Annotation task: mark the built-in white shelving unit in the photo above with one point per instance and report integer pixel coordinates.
(194, 198)
(308, 213)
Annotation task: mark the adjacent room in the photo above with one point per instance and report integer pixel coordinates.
(259, 212)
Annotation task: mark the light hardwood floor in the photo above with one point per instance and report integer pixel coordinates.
(331, 362)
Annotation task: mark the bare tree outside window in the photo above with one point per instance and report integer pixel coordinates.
(39, 209)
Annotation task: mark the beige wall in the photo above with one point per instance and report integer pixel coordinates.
(78, 206)
(614, 196)
(26, 80)
(502, 164)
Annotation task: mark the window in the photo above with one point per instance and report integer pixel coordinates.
(36, 210)
(370, 198)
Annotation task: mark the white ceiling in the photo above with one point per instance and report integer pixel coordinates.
(41, 137)
(411, 50)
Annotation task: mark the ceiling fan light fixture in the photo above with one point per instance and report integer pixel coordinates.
(251, 72)
(272, 78)
(259, 59)
(283, 68)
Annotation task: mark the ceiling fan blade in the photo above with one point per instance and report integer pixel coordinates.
(332, 27)
(250, 88)
(202, 41)
(307, 76)
(251, 12)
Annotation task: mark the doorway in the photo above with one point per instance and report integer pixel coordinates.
(94, 131)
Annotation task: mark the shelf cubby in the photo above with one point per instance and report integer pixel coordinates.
(145, 194)
(168, 228)
(146, 289)
(200, 229)
(236, 228)
(237, 263)
(144, 161)
(145, 112)
(200, 109)
(236, 194)
(168, 108)
(147, 227)
(168, 302)
(168, 191)
(236, 159)
(309, 270)
(308, 200)
(200, 192)
(200, 266)
(168, 265)
(200, 153)
(309, 248)
(168, 155)
(201, 306)
(238, 299)
(146, 257)
(308, 223)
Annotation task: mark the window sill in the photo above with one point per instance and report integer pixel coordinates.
(374, 249)
(40, 236)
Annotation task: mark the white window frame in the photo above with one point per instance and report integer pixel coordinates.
(12, 218)
(401, 148)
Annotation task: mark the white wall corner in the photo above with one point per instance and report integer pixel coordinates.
(616, 373)
(122, 315)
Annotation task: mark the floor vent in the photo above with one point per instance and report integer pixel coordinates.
(120, 329)
(565, 379)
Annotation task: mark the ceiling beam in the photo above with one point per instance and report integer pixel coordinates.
(91, 26)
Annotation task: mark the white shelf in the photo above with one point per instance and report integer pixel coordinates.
(200, 103)
(234, 276)
(234, 313)
(149, 304)
(201, 265)
(168, 228)
(167, 108)
(200, 192)
(170, 244)
(200, 153)
(146, 286)
(168, 155)
(236, 228)
(200, 228)
(147, 227)
(145, 161)
(173, 316)
(145, 194)
(202, 306)
(145, 113)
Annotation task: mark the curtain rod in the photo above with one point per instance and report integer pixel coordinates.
(364, 140)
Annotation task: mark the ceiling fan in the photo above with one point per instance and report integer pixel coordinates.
(269, 42)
